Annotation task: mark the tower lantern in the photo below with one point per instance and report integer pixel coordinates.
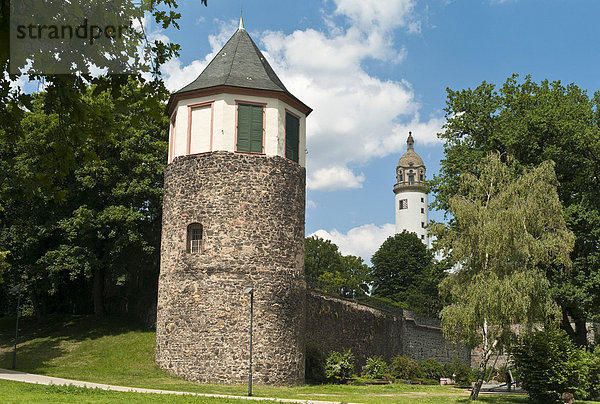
(233, 218)
(411, 199)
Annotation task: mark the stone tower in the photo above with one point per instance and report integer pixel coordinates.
(411, 199)
(233, 217)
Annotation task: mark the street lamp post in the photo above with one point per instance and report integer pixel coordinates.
(250, 290)
(16, 290)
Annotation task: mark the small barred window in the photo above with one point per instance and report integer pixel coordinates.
(194, 238)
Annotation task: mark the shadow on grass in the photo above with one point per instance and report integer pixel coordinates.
(496, 399)
(40, 343)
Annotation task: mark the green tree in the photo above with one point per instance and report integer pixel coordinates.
(45, 141)
(96, 216)
(508, 224)
(405, 271)
(535, 122)
(320, 256)
(550, 364)
(328, 270)
(3, 264)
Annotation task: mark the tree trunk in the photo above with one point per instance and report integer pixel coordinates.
(98, 293)
(480, 374)
(566, 324)
(486, 354)
(581, 331)
(39, 307)
(579, 334)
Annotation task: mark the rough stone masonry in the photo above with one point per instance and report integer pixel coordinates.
(251, 209)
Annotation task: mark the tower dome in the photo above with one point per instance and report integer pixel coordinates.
(233, 220)
(410, 158)
(411, 199)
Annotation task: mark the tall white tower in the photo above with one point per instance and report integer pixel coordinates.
(411, 199)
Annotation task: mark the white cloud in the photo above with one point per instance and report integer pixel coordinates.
(176, 76)
(360, 241)
(369, 14)
(334, 178)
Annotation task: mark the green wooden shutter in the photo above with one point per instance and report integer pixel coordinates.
(292, 137)
(243, 130)
(256, 129)
(250, 128)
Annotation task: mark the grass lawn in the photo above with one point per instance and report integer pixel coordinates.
(116, 352)
(16, 392)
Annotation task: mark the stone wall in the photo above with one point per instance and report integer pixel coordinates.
(251, 208)
(333, 323)
(423, 339)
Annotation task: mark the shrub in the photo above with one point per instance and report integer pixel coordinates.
(462, 373)
(432, 369)
(594, 372)
(550, 365)
(403, 367)
(375, 368)
(339, 365)
(315, 365)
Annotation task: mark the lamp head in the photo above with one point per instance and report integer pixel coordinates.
(249, 290)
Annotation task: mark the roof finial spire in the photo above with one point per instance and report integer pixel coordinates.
(241, 20)
(410, 142)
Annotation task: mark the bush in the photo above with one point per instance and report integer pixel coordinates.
(432, 369)
(375, 368)
(339, 365)
(549, 365)
(462, 373)
(315, 365)
(403, 367)
(594, 372)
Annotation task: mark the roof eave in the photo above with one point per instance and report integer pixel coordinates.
(284, 96)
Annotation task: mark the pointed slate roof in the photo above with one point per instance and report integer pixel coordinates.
(239, 64)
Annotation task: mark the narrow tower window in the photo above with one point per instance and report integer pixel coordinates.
(292, 136)
(411, 178)
(403, 204)
(250, 128)
(194, 236)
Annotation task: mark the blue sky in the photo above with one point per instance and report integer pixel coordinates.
(374, 69)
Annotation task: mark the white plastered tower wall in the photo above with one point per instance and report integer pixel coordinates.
(212, 125)
(412, 219)
(410, 202)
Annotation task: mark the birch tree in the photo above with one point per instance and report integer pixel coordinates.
(508, 229)
(534, 122)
